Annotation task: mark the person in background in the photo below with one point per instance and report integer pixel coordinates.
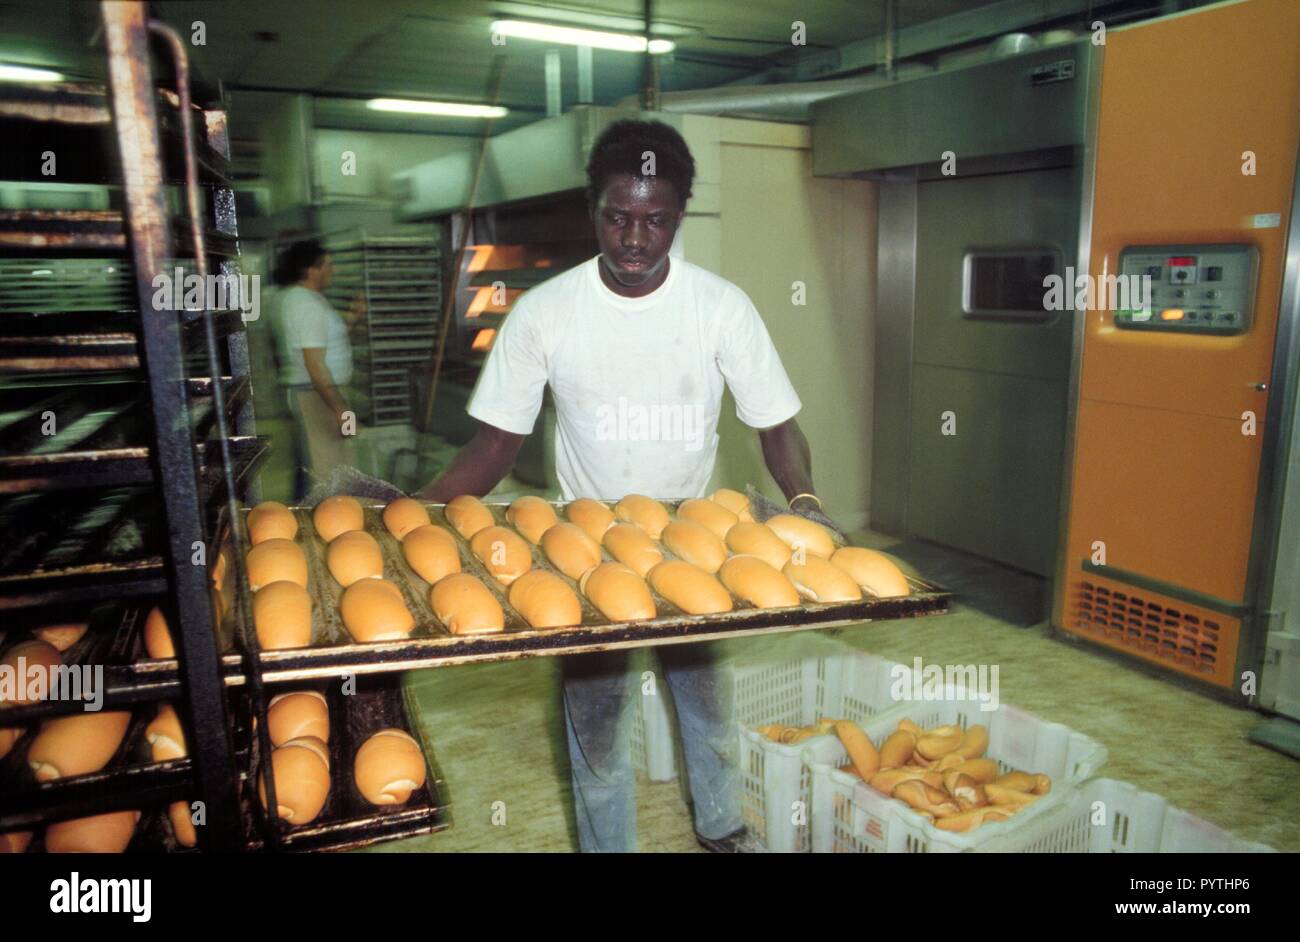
(316, 359)
(634, 324)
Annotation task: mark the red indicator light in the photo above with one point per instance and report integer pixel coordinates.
(1183, 261)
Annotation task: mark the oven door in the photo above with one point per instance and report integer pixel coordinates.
(990, 363)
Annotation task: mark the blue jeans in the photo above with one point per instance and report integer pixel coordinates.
(597, 692)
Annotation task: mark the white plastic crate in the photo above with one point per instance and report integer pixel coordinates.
(848, 816)
(776, 785)
(652, 739)
(1104, 816)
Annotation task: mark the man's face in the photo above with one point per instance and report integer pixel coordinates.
(636, 219)
(325, 272)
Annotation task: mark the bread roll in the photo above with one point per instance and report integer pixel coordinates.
(593, 516)
(298, 714)
(182, 818)
(819, 581)
(545, 601)
(432, 552)
(532, 517)
(466, 606)
(734, 501)
(61, 637)
(282, 616)
(157, 636)
(468, 515)
(8, 736)
(713, 517)
(354, 556)
(691, 589)
(756, 539)
(873, 571)
(629, 544)
(374, 610)
(165, 735)
(798, 531)
(339, 514)
(570, 550)
(503, 552)
(33, 676)
(647, 513)
(694, 544)
(274, 560)
(15, 842)
(619, 593)
(753, 580)
(77, 744)
(270, 520)
(222, 563)
(404, 515)
(302, 779)
(99, 834)
(388, 767)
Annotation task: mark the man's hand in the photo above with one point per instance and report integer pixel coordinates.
(477, 467)
(357, 311)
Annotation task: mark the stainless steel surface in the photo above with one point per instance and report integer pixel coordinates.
(965, 111)
(1087, 191)
(993, 486)
(1274, 574)
(892, 377)
(983, 21)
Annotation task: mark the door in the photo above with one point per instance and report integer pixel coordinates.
(990, 363)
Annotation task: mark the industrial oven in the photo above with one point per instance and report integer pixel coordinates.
(1183, 387)
(1085, 359)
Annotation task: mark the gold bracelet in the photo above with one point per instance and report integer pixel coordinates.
(813, 496)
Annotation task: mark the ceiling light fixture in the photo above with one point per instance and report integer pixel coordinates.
(23, 73)
(446, 109)
(571, 36)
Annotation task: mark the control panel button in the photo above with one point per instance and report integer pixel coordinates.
(1211, 294)
(1171, 314)
(1214, 273)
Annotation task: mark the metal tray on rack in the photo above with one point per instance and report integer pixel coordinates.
(431, 645)
(348, 821)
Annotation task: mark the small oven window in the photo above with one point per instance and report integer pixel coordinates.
(1008, 283)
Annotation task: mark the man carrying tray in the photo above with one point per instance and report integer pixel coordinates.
(633, 332)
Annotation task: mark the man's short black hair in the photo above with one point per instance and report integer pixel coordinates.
(621, 149)
(296, 259)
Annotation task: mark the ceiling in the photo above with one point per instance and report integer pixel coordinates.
(343, 51)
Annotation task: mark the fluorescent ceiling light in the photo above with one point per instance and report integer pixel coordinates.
(586, 19)
(447, 109)
(22, 73)
(570, 36)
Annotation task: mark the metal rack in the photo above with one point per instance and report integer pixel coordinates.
(154, 455)
(400, 279)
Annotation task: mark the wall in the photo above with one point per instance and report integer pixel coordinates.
(779, 225)
(378, 155)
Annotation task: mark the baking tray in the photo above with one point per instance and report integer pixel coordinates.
(431, 645)
(79, 546)
(348, 821)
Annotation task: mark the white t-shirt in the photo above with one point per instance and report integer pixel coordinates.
(637, 382)
(307, 321)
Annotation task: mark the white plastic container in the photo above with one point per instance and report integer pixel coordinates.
(1105, 816)
(849, 816)
(776, 785)
(652, 735)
